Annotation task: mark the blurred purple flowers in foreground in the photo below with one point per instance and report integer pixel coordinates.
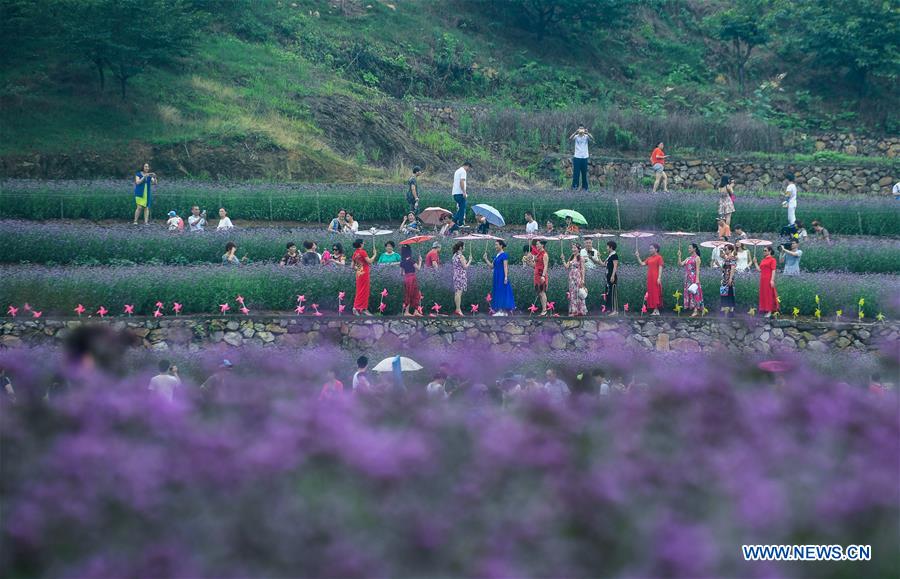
(263, 480)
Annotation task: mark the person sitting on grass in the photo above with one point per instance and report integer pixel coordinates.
(724, 230)
(197, 219)
(174, 222)
(336, 256)
(410, 224)
(483, 226)
(548, 229)
(821, 232)
(446, 225)
(350, 224)
(336, 225)
(224, 221)
(433, 257)
(310, 255)
(739, 233)
(291, 256)
(389, 255)
(229, 258)
(571, 227)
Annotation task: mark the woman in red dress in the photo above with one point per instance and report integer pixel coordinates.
(361, 264)
(768, 295)
(654, 263)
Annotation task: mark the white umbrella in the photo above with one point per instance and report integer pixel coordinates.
(406, 365)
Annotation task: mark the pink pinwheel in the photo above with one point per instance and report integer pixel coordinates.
(157, 313)
(419, 310)
(341, 295)
(102, 312)
(239, 299)
(159, 305)
(436, 308)
(224, 307)
(603, 296)
(341, 308)
(315, 308)
(79, 310)
(245, 311)
(602, 308)
(644, 309)
(27, 307)
(301, 298)
(36, 314)
(488, 298)
(625, 308)
(381, 307)
(646, 296)
(551, 306)
(12, 311)
(533, 308)
(129, 309)
(384, 293)
(568, 295)
(474, 308)
(177, 307)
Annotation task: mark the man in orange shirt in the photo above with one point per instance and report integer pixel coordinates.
(433, 257)
(658, 162)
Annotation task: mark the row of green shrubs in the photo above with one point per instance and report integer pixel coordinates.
(265, 287)
(603, 210)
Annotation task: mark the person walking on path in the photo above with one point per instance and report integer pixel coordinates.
(412, 296)
(144, 180)
(460, 194)
(612, 279)
(577, 289)
(768, 294)
(726, 199)
(581, 137)
(658, 162)
(531, 226)
(502, 301)
(693, 292)
(654, 265)
(412, 191)
(460, 280)
(726, 288)
(362, 264)
(541, 273)
(790, 198)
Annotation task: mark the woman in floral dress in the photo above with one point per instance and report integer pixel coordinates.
(575, 266)
(726, 289)
(693, 292)
(460, 281)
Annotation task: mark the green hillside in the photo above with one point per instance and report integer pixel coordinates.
(318, 90)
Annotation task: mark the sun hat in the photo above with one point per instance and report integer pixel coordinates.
(435, 245)
(172, 214)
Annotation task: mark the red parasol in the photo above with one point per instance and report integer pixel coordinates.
(417, 239)
(432, 215)
(774, 366)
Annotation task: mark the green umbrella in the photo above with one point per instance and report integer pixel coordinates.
(576, 216)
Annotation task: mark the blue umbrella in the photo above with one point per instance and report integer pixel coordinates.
(490, 214)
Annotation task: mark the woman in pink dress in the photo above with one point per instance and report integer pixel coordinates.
(654, 265)
(693, 292)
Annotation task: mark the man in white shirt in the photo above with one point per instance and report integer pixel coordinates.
(896, 190)
(589, 255)
(790, 196)
(436, 388)
(166, 381)
(580, 158)
(531, 226)
(224, 220)
(197, 220)
(556, 388)
(460, 194)
(361, 382)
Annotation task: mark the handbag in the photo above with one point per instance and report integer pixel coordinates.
(693, 288)
(723, 290)
(582, 293)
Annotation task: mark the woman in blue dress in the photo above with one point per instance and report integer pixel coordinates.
(502, 302)
(143, 182)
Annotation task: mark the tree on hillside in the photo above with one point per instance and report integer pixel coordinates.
(561, 17)
(741, 29)
(127, 36)
(856, 38)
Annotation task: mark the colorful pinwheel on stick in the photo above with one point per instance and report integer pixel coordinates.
(79, 309)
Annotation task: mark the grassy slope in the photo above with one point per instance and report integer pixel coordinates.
(235, 89)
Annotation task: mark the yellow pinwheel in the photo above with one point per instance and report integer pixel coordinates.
(751, 312)
(862, 314)
(677, 295)
(817, 299)
(839, 313)
(861, 302)
(818, 314)
(705, 310)
(796, 312)
(677, 309)
(880, 317)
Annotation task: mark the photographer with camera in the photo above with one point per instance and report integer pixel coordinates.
(143, 182)
(197, 219)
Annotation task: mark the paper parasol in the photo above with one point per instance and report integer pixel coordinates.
(432, 215)
(678, 233)
(406, 365)
(755, 242)
(417, 239)
(714, 243)
(635, 234)
(774, 366)
(598, 235)
(564, 237)
(478, 237)
(374, 232)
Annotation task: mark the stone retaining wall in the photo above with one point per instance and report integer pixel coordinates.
(499, 334)
(850, 144)
(749, 175)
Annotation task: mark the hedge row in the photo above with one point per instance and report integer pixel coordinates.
(382, 206)
(52, 243)
(267, 287)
